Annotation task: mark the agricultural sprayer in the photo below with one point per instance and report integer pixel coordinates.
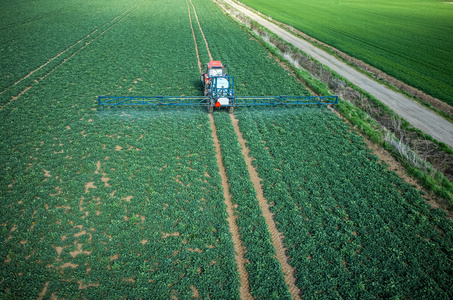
(218, 92)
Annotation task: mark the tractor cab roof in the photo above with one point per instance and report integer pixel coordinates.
(215, 64)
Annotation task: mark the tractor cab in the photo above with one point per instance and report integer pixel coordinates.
(215, 72)
(215, 69)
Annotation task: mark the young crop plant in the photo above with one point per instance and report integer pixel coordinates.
(264, 271)
(352, 228)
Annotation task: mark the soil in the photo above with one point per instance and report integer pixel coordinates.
(195, 293)
(89, 185)
(44, 291)
(202, 33)
(277, 237)
(84, 286)
(244, 288)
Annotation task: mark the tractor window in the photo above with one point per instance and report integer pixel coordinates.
(214, 72)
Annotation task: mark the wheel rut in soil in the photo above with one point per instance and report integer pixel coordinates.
(202, 33)
(239, 256)
(244, 289)
(277, 237)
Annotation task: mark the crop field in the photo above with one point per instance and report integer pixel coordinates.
(353, 229)
(130, 202)
(410, 40)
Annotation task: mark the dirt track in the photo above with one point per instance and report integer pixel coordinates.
(239, 249)
(411, 111)
(276, 236)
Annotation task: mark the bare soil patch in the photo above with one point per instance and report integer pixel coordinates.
(44, 291)
(89, 185)
(195, 293)
(84, 286)
(165, 235)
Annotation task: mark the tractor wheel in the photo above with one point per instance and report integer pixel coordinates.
(231, 109)
(210, 109)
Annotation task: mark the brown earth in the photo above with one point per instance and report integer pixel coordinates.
(202, 33)
(244, 288)
(277, 237)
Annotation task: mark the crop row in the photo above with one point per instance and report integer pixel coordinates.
(264, 271)
(353, 229)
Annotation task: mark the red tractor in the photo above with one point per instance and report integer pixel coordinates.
(218, 86)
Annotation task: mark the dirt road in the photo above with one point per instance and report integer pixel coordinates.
(411, 111)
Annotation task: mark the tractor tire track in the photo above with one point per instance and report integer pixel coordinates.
(202, 33)
(194, 39)
(244, 289)
(239, 255)
(94, 36)
(277, 237)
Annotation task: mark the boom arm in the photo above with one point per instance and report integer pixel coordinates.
(153, 100)
(204, 101)
(285, 100)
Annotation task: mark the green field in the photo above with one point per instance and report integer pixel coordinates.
(408, 39)
(354, 230)
(128, 202)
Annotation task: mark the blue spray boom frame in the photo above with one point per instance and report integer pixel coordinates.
(204, 101)
(218, 92)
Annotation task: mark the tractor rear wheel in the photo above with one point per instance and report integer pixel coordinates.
(231, 109)
(210, 109)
